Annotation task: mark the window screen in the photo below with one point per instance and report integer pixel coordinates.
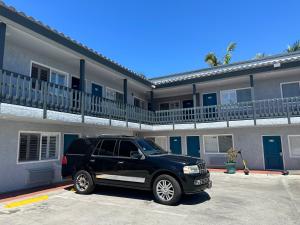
(107, 147)
(225, 143)
(290, 90)
(49, 147)
(294, 145)
(228, 97)
(211, 144)
(29, 149)
(126, 147)
(243, 95)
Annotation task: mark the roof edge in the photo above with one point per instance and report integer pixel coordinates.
(38, 27)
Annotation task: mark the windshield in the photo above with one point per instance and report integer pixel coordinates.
(149, 147)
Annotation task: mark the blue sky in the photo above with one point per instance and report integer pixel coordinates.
(160, 37)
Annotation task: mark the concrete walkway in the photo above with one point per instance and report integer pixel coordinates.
(234, 199)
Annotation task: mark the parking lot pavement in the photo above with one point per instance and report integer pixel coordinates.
(234, 199)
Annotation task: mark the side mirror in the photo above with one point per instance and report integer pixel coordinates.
(135, 155)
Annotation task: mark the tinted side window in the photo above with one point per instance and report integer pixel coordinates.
(126, 147)
(107, 147)
(82, 146)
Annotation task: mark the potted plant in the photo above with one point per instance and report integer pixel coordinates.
(232, 155)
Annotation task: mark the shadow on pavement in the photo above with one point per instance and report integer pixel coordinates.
(147, 195)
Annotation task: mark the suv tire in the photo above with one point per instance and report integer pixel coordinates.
(166, 190)
(83, 182)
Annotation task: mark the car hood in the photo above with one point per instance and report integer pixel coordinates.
(186, 160)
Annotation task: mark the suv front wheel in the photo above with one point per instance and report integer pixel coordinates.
(166, 190)
(83, 182)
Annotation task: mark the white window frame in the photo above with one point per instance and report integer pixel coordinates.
(114, 90)
(290, 149)
(289, 82)
(52, 69)
(218, 152)
(40, 153)
(235, 89)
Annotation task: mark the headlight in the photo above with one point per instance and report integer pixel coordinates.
(191, 169)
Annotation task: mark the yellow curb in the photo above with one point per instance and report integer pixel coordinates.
(26, 201)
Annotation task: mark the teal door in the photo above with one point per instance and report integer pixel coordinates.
(272, 153)
(68, 139)
(193, 146)
(96, 90)
(175, 145)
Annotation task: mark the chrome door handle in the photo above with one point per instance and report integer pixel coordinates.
(120, 162)
(92, 160)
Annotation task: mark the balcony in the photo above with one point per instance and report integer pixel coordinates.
(16, 89)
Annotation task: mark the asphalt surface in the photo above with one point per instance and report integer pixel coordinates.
(234, 199)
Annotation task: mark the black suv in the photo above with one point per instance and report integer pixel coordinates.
(133, 162)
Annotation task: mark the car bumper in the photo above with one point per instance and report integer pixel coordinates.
(197, 183)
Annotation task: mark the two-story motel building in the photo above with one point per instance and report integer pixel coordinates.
(54, 90)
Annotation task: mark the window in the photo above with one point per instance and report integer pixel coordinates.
(164, 106)
(107, 147)
(139, 103)
(218, 143)
(290, 90)
(235, 96)
(126, 147)
(38, 146)
(49, 147)
(58, 78)
(169, 105)
(39, 73)
(114, 95)
(294, 145)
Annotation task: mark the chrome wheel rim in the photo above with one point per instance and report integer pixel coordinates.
(165, 190)
(82, 182)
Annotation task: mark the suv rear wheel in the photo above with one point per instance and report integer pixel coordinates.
(83, 182)
(166, 190)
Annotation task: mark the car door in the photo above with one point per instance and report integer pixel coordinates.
(132, 171)
(104, 161)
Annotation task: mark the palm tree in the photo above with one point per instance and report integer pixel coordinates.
(294, 47)
(212, 60)
(229, 50)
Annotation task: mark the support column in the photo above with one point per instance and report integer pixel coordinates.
(125, 90)
(82, 75)
(152, 108)
(2, 43)
(195, 104)
(251, 79)
(82, 88)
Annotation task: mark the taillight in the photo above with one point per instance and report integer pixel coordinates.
(64, 161)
